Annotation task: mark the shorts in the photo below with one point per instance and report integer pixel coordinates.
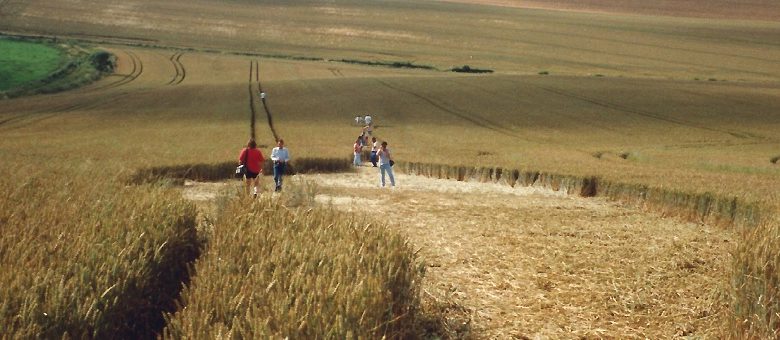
(250, 174)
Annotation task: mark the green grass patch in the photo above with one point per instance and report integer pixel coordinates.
(36, 65)
(22, 62)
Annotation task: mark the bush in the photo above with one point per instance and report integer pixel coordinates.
(103, 61)
(468, 69)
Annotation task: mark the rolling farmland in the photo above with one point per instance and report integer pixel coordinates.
(686, 109)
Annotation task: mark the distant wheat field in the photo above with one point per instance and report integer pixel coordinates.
(688, 105)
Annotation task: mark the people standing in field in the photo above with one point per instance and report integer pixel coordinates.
(385, 164)
(280, 156)
(252, 158)
(357, 149)
(374, 149)
(368, 120)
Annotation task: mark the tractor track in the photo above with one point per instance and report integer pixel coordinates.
(512, 98)
(624, 109)
(483, 123)
(266, 108)
(252, 109)
(181, 72)
(138, 69)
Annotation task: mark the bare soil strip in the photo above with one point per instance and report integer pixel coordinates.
(530, 262)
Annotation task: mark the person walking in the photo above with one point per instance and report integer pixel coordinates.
(357, 149)
(385, 165)
(280, 156)
(374, 149)
(252, 158)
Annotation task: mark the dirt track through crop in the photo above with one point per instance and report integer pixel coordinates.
(252, 109)
(267, 110)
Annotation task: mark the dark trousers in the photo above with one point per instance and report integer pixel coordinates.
(278, 172)
(373, 158)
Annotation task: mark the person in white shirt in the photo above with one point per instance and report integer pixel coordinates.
(368, 120)
(385, 165)
(374, 149)
(357, 149)
(280, 156)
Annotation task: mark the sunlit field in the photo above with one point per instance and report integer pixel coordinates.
(672, 120)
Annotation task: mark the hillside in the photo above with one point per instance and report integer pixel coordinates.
(767, 10)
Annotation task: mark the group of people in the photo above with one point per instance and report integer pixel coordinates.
(380, 155)
(253, 159)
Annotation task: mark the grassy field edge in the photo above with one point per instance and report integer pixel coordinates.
(83, 66)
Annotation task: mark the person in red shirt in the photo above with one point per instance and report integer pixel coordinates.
(253, 158)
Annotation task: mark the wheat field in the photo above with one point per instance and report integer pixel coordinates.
(673, 117)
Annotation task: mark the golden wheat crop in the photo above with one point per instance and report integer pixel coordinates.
(305, 272)
(86, 257)
(676, 115)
